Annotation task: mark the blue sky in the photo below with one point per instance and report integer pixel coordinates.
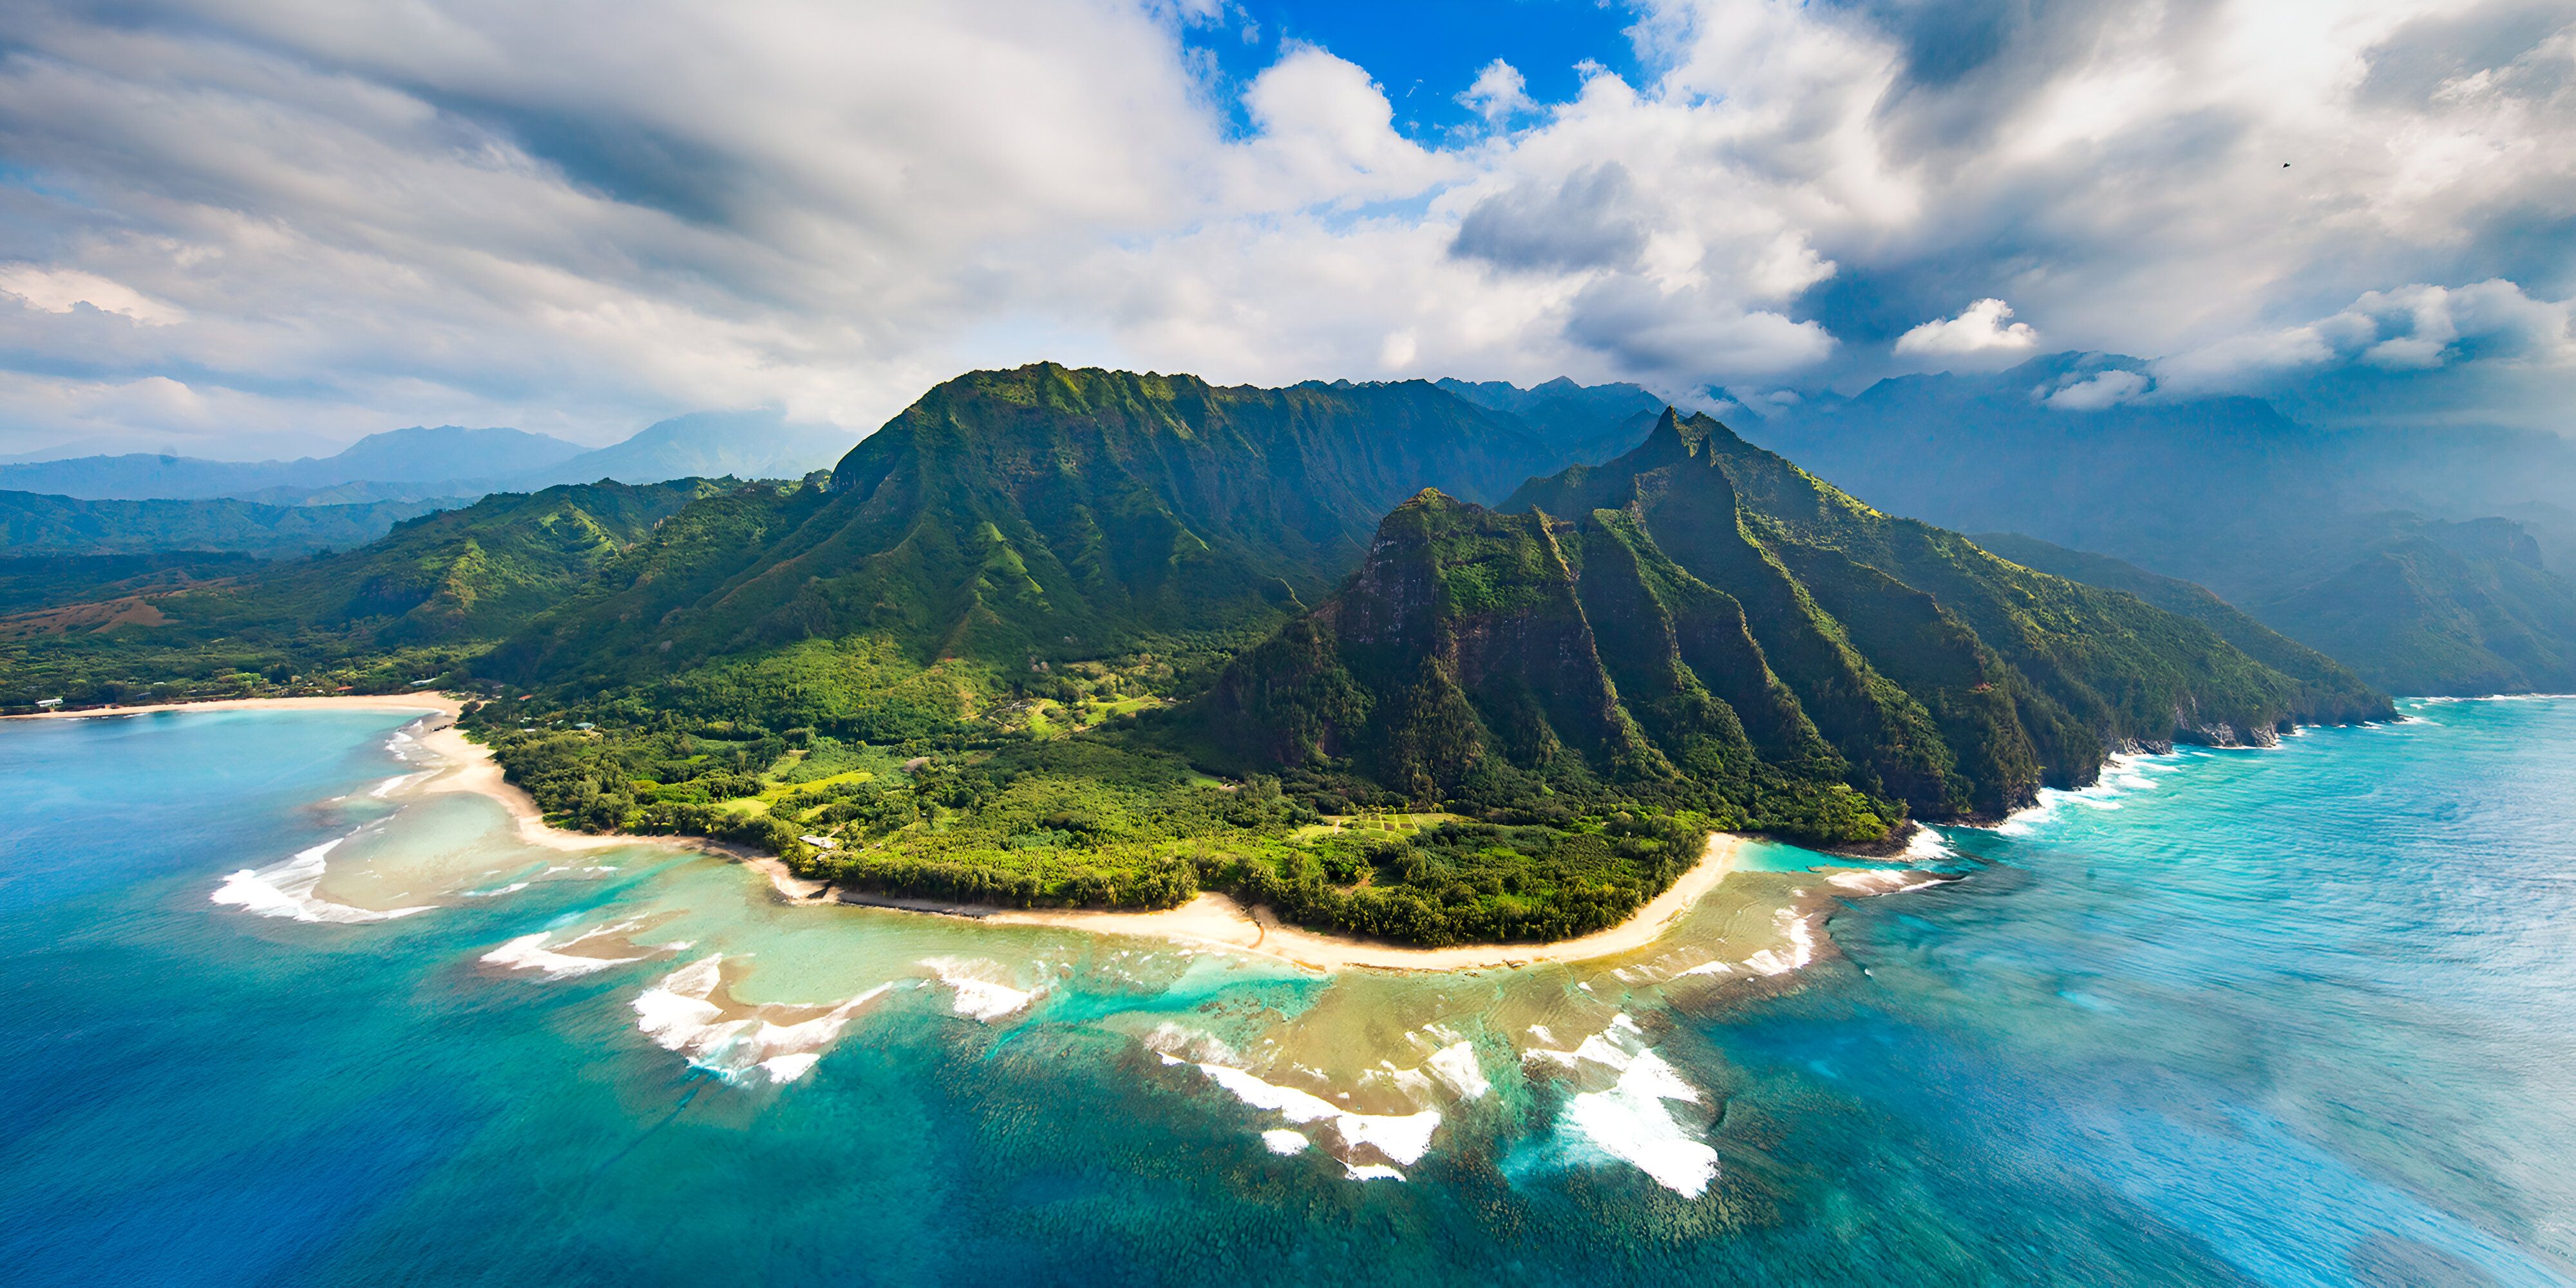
(1425, 55)
(246, 228)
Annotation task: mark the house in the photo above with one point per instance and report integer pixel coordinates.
(50, 704)
(820, 842)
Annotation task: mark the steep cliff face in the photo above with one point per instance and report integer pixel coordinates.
(1700, 624)
(2025, 678)
(1509, 661)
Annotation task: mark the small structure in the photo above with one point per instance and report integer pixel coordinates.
(49, 704)
(820, 842)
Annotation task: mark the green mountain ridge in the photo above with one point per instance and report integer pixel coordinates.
(431, 594)
(32, 524)
(1716, 630)
(1046, 513)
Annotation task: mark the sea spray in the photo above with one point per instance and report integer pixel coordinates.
(1631, 1120)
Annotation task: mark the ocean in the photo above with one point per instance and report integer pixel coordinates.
(2293, 1016)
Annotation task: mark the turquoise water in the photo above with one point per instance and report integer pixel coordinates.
(2303, 1016)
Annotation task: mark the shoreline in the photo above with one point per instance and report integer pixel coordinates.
(439, 702)
(1211, 920)
(1220, 921)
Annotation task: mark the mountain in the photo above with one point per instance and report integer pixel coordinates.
(1699, 623)
(2290, 523)
(59, 525)
(421, 464)
(1589, 423)
(46, 581)
(1046, 513)
(433, 590)
(748, 445)
(2181, 598)
(419, 455)
(446, 454)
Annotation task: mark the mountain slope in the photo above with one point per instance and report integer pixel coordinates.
(1699, 624)
(2323, 675)
(2291, 523)
(433, 591)
(31, 524)
(1589, 423)
(446, 454)
(1047, 513)
(746, 445)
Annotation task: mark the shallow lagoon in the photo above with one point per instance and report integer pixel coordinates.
(2294, 1016)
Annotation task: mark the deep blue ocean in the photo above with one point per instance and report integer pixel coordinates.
(2297, 1016)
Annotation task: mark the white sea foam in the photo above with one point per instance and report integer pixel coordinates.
(979, 997)
(1881, 881)
(1456, 1068)
(531, 952)
(1180, 1044)
(1927, 845)
(1630, 1120)
(512, 888)
(393, 784)
(1401, 1137)
(286, 890)
(679, 1013)
(1280, 1140)
(1371, 1172)
(1797, 953)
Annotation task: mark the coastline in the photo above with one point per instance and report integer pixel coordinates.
(1211, 920)
(352, 702)
(1218, 920)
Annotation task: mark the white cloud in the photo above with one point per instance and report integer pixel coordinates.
(580, 217)
(2097, 391)
(1978, 337)
(2419, 327)
(1498, 94)
(60, 290)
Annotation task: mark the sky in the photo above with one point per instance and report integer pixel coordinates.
(238, 228)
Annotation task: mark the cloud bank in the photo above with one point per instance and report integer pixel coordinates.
(235, 227)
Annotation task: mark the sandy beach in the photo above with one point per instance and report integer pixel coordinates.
(1212, 919)
(1219, 921)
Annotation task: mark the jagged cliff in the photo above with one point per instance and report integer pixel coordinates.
(1701, 624)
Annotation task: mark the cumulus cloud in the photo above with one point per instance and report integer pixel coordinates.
(2419, 327)
(580, 217)
(1498, 93)
(1978, 337)
(1586, 220)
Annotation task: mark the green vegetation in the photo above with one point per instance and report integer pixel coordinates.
(421, 603)
(32, 524)
(1046, 639)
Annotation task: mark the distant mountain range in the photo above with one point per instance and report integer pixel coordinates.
(2421, 558)
(451, 462)
(33, 524)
